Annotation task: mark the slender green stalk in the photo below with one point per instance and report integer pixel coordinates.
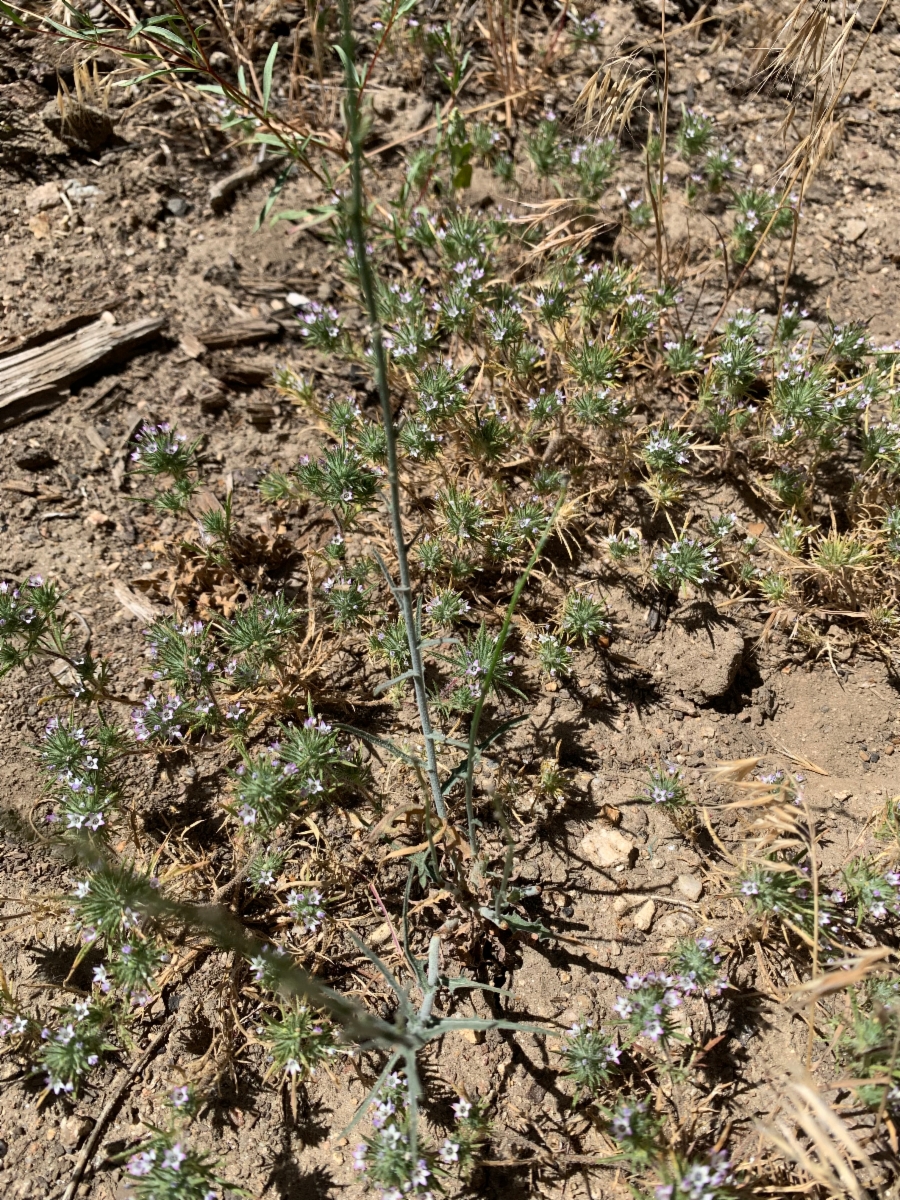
(495, 659)
(403, 591)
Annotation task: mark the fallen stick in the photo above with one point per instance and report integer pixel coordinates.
(239, 333)
(36, 379)
(124, 1082)
(220, 193)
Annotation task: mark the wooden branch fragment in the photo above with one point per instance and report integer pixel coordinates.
(36, 379)
(56, 329)
(220, 193)
(139, 606)
(237, 373)
(126, 1078)
(241, 333)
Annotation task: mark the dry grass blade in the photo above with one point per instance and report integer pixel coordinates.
(610, 96)
(830, 1157)
(733, 770)
(502, 35)
(849, 973)
(803, 37)
(805, 763)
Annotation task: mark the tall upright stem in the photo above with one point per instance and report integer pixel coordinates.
(403, 590)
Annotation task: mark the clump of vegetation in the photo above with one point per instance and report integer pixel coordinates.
(505, 375)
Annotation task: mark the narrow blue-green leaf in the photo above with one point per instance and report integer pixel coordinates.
(386, 743)
(274, 192)
(270, 139)
(389, 683)
(294, 214)
(11, 15)
(90, 35)
(267, 76)
(378, 964)
(376, 1088)
(452, 1023)
(170, 36)
(349, 67)
(153, 75)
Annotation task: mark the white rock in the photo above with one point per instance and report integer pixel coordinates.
(45, 196)
(643, 918)
(606, 847)
(73, 1129)
(675, 924)
(854, 229)
(689, 886)
(381, 935)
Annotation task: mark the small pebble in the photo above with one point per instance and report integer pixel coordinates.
(643, 918)
(690, 887)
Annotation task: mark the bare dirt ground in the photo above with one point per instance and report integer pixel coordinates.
(128, 228)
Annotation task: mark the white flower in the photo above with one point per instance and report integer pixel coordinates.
(449, 1152)
(174, 1158)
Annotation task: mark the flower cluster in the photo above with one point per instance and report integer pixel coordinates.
(79, 762)
(666, 786)
(386, 1157)
(298, 1040)
(168, 1167)
(321, 326)
(636, 1129)
(33, 624)
(162, 720)
(873, 892)
(712, 1179)
(685, 561)
(695, 962)
(306, 907)
(648, 1007)
(68, 1052)
(290, 774)
(783, 889)
(590, 1055)
(107, 905)
(162, 450)
(554, 656)
(468, 666)
(584, 617)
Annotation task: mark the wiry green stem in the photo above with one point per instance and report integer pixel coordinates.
(403, 591)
